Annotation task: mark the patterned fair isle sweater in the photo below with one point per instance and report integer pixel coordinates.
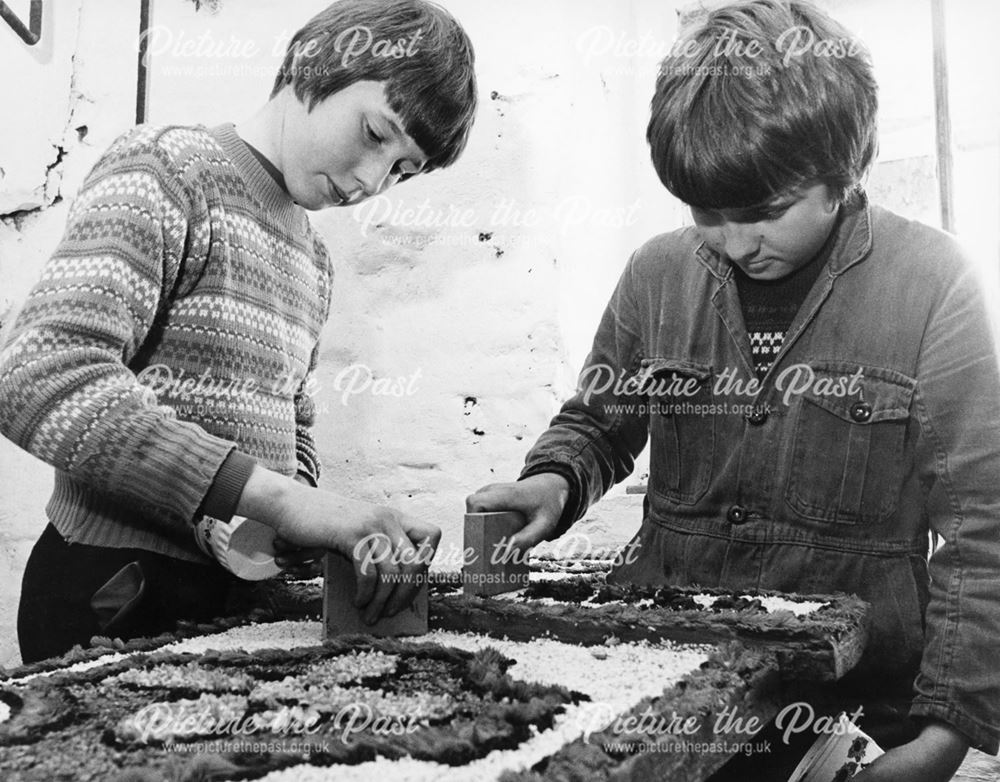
(168, 344)
(769, 308)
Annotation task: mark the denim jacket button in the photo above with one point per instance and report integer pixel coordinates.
(737, 514)
(757, 416)
(861, 412)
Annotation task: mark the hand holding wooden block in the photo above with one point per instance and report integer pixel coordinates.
(340, 617)
(493, 566)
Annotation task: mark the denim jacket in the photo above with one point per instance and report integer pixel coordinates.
(878, 422)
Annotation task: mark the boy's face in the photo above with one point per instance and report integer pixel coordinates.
(773, 240)
(351, 146)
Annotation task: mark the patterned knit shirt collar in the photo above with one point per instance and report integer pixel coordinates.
(261, 183)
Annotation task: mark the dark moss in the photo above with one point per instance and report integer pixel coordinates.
(72, 716)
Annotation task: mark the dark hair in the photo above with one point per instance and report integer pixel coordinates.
(417, 48)
(734, 128)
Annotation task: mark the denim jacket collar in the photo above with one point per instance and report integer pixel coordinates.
(852, 244)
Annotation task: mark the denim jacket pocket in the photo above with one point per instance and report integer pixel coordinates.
(682, 428)
(847, 457)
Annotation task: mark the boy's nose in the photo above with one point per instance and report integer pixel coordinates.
(740, 241)
(374, 178)
(369, 185)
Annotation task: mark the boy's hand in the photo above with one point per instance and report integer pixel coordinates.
(933, 756)
(390, 551)
(541, 498)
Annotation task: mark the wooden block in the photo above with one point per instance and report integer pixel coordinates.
(340, 617)
(487, 570)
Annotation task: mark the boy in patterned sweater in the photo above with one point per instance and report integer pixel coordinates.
(162, 363)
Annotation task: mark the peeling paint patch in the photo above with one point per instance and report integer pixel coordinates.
(18, 217)
(53, 176)
(384, 256)
(212, 5)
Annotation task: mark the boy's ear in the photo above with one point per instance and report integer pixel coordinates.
(833, 199)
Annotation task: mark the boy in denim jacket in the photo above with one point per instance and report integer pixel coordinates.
(163, 362)
(815, 375)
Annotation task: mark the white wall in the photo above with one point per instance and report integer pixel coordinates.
(483, 281)
(62, 103)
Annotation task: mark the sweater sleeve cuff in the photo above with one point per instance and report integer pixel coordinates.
(224, 494)
(307, 477)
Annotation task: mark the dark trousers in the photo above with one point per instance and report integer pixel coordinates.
(139, 593)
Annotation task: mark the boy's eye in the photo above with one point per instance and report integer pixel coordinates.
(774, 212)
(763, 215)
(372, 135)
